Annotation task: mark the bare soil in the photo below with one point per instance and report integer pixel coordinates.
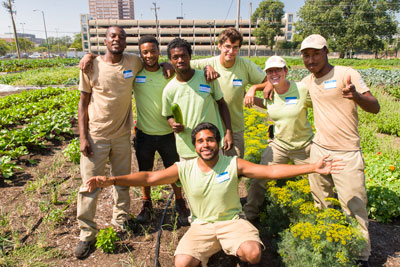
(137, 249)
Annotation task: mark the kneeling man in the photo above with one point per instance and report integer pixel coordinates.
(211, 185)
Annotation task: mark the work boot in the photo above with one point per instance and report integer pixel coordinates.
(145, 214)
(84, 248)
(183, 212)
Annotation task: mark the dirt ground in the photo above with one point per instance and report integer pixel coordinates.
(28, 220)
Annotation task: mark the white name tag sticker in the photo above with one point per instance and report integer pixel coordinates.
(291, 100)
(128, 74)
(204, 88)
(237, 82)
(363, 85)
(140, 79)
(222, 177)
(329, 84)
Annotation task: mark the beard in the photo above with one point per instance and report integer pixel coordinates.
(209, 158)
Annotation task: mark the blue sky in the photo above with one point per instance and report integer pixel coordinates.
(64, 15)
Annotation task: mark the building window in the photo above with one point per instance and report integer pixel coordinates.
(289, 27)
(289, 36)
(290, 19)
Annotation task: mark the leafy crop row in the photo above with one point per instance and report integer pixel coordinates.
(52, 123)
(43, 77)
(25, 64)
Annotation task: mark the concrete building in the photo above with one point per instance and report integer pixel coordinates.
(111, 9)
(201, 34)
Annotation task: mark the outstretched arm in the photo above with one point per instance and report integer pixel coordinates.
(167, 176)
(282, 171)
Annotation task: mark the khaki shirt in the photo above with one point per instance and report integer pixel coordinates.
(110, 106)
(335, 117)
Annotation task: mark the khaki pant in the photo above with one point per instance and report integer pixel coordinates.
(350, 187)
(273, 154)
(204, 239)
(118, 152)
(238, 145)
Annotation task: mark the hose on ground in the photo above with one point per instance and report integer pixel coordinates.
(156, 262)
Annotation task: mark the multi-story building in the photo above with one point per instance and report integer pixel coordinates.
(201, 34)
(111, 9)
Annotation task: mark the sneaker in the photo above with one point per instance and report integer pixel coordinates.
(183, 212)
(84, 248)
(145, 214)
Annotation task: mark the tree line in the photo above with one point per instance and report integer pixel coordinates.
(348, 25)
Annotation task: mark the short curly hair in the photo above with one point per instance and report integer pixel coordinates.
(206, 126)
(178, 43)
(232, 34)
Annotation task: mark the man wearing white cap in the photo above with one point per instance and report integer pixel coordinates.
(335, 92)
(293, 133)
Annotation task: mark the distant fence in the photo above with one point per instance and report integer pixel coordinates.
(296, 53)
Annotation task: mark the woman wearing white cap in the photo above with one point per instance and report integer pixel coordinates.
(292, 137)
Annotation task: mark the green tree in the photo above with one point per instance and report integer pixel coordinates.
(269, 16)
(349, 25)
(77, 43)
(24, 44)
(4, 47)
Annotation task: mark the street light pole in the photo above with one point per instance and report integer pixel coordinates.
(45, 32)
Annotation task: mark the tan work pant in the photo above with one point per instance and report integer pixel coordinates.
(118, 152)
(238, 145)
(273, 154)
(350, 187)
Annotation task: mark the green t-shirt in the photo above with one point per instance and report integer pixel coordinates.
(212, 196)
(233, 82)
(289, 113)
(147, 89)
(197, 101)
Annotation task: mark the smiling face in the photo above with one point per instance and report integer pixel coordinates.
(115, 40)
(149, 53)
(315, 60)
(277, 76)
(180, 59)
(229, 50)
(206, 145)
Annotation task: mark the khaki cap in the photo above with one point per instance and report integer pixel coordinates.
(315, 41)
(275, 62)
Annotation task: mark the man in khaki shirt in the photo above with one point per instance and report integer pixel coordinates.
(105, 118)
(335, 92)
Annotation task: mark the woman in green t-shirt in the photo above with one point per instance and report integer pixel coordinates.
(292, 131)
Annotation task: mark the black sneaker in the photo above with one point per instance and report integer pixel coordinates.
(84, 248)
(183, 212)
(145, 214)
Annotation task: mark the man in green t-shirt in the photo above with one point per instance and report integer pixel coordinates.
(211, 182)
(153, 132)
(198, 101)
(235, 74)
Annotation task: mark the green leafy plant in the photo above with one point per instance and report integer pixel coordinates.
(7, 167)
(72, 151)
(106, 240)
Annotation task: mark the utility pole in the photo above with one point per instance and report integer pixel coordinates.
(45, 32)
(9, 8)
(238, 14)
(155, 13)
(249, 52)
